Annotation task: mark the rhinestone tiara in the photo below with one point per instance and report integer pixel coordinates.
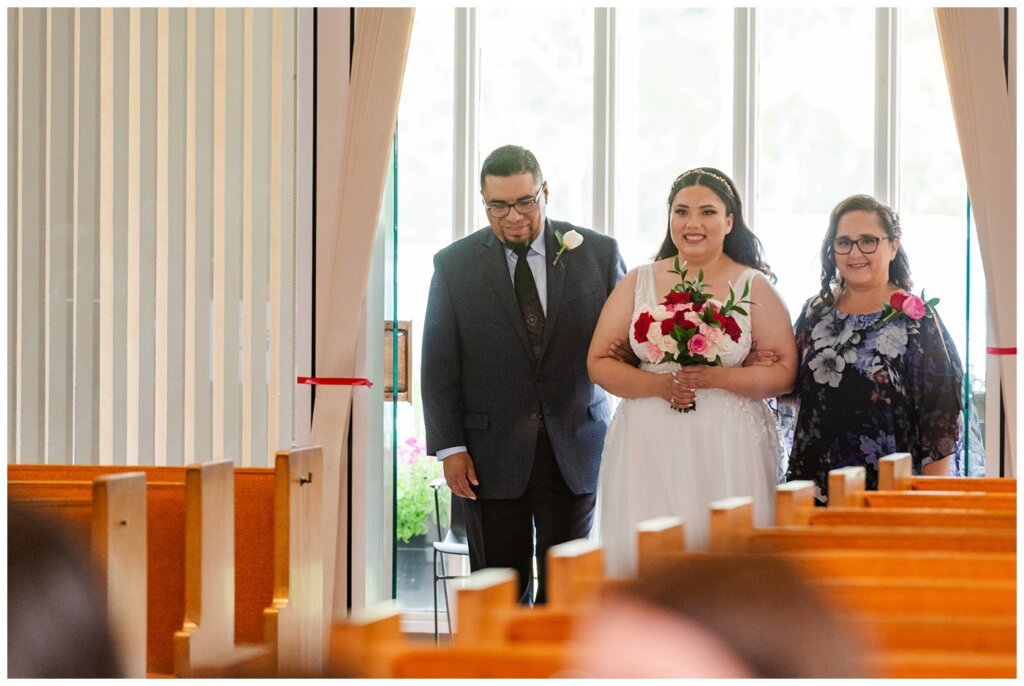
(705, 172)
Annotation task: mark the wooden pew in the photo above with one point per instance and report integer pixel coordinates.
(847, 488)
(114, 508)
(369, 644)
(896, 613)
(732, 529)
(254, 531)
(794, 506)
(279, 596)
(294, 623)
(895, 473)
(205, 644)
(177, 524)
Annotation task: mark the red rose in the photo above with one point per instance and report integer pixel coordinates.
(643, 323)
(681, 320)
(897, 300)
(732, 329)
(720, 318)
(678, 298)
(667, 325)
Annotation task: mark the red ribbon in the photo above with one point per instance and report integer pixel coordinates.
(332, 381)
(1002, 351)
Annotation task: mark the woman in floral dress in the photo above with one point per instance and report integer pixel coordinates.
(872, 382)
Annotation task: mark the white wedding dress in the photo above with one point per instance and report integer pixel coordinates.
(660, 462)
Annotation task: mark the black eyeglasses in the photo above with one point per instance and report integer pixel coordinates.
(501, 209)
(866, 244)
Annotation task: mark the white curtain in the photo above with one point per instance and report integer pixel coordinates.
(378, 65)
(983, 106)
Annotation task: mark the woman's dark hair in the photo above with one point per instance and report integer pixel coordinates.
(740, 244)
(509, 160)
(899, 267)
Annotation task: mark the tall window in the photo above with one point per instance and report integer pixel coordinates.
(670, 116)
(681, 96)
(944, 254)
(815, 127)
(539, 94)
(425, 151)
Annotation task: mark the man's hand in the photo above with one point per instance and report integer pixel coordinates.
(621, 351)
(459, 473)
(760, 358)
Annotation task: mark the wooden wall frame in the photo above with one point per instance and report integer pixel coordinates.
(404, 362)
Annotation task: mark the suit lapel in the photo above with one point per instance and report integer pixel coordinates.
(495, 265)
(556, 279)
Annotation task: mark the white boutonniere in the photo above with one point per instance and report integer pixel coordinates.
(569, 241)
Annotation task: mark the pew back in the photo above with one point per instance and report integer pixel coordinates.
(254, 534)
(295, 621)
(110, 513)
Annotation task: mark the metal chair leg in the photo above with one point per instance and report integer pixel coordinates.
(437, 635)
(447, 607)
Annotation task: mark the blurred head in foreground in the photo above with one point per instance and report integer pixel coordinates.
(57, 625)
(719, 616)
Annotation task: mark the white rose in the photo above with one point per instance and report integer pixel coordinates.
(572, 239)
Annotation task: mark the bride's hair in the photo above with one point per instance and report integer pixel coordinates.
(740, 244)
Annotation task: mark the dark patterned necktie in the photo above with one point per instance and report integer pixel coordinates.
(529, 301)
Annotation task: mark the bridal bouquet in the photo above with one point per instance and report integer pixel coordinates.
(688, 327)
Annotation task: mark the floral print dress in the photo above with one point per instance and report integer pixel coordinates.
(865, 389)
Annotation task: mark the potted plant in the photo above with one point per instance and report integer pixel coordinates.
(415, 525)
(414, 514)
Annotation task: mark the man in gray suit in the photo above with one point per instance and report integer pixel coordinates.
(508, 405)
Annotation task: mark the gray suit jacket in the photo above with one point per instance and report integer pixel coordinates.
(481, 386)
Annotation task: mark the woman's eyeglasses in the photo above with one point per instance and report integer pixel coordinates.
(866, 244)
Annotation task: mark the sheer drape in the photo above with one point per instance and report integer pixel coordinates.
(972, 50)
(378, 64)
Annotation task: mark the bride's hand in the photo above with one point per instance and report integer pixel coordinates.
(699, 376)
(683, 393)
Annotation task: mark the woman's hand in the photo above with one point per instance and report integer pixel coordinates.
(686, 381)
(683, 392)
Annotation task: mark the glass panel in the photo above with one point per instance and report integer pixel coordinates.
(540, 95)
(424, 195)
(943, 253)
(669, 117)
(815, 133)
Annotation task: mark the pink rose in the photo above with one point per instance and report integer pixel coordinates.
(698, 345)
(913, 307)
(654, 353)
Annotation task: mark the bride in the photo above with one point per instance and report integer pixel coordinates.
(658, 461)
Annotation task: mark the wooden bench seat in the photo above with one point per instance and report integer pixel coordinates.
(370, 645)
(254, 527)
(895, 473)
(278, 578)
(732, 529)
(794, 506)
(847, 488)
(110, 513)
(174, 517)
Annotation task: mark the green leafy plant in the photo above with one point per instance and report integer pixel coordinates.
(414, 515)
